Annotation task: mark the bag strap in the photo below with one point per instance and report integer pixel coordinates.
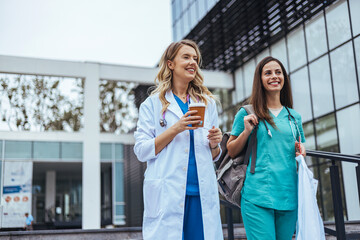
(252, 146)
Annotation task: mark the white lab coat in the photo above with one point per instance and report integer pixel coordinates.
(166, 173)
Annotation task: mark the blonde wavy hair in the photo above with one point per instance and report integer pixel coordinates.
(163, 80)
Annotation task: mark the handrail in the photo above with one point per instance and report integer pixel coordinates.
(339, 231)
(334, 156)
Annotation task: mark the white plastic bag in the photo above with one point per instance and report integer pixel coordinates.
(309, 224)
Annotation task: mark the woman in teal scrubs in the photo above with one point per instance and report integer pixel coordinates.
(269, 196)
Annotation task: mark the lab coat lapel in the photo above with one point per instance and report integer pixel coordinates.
(174, 106)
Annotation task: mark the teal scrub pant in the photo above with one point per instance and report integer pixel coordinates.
(266, 223)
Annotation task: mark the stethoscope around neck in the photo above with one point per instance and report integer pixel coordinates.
(162, 120)
(290, 116)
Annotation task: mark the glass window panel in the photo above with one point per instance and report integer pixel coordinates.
(184, 4)
(348, 121)
(301, 93)
(120, 210)
(106, 152)
(177, 4)
(193, 15)
(338, 24)
(296, 46)
(278, 51)
(202, 8)
(357, 51)
(321, 86)
(119, 182)
(186, 22)
(71, 150)
(326, 136)
(41, 103)
(177, 31)
(262, 55)
(316, 37)
(344, 77)
(118, 112)
(355, 16)
(239, 84)
(181, 27)
(309, 135)
(18, 150)
(173, 12)
(119, 151)
(46, 150)
(249, 69)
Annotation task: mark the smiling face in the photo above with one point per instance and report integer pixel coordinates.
(272, 77)
(184, 65)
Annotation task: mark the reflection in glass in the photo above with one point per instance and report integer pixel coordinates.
(316, 37)
(278, 50)
(174, 9)
(118, 181)
(296, 47)
(239, 80)
(202, 8)
(326, 135)
(321, 86)
(186, 21)
(348, 120)
(46, 150)
(71, 151)
(118, 112)
(68, 204)
(301, 94)
(309, 135)
(326, 138)
(18, 150)
(106, 151)
(357, 51)
(193, 15)
(249, 69)
(344, 78)
(177, 4)
(338, 25)
(355, 17)
(41, 103)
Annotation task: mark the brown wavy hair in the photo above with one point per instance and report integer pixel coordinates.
(258, 95)
(163, 80)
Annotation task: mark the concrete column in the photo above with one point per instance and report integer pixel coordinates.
(50, 193)
(91, 211)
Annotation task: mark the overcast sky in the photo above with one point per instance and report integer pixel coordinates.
(127, 32)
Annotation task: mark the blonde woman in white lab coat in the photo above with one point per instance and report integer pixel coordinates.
(181, 199)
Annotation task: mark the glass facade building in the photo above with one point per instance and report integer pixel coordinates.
(319, 45)
(186, 14)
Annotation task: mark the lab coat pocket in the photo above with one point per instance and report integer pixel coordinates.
(152, 197)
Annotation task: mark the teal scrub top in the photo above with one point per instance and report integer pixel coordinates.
(274, 183)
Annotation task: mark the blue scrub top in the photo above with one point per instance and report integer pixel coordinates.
(274, 183)
(192, 185)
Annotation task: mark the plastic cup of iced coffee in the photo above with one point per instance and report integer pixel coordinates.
(200, 107)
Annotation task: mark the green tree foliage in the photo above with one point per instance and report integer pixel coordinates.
(118, 112)
(41, 103)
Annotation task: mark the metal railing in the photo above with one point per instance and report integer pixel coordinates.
(339, 231)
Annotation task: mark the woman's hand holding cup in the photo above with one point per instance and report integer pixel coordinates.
(186, 120)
